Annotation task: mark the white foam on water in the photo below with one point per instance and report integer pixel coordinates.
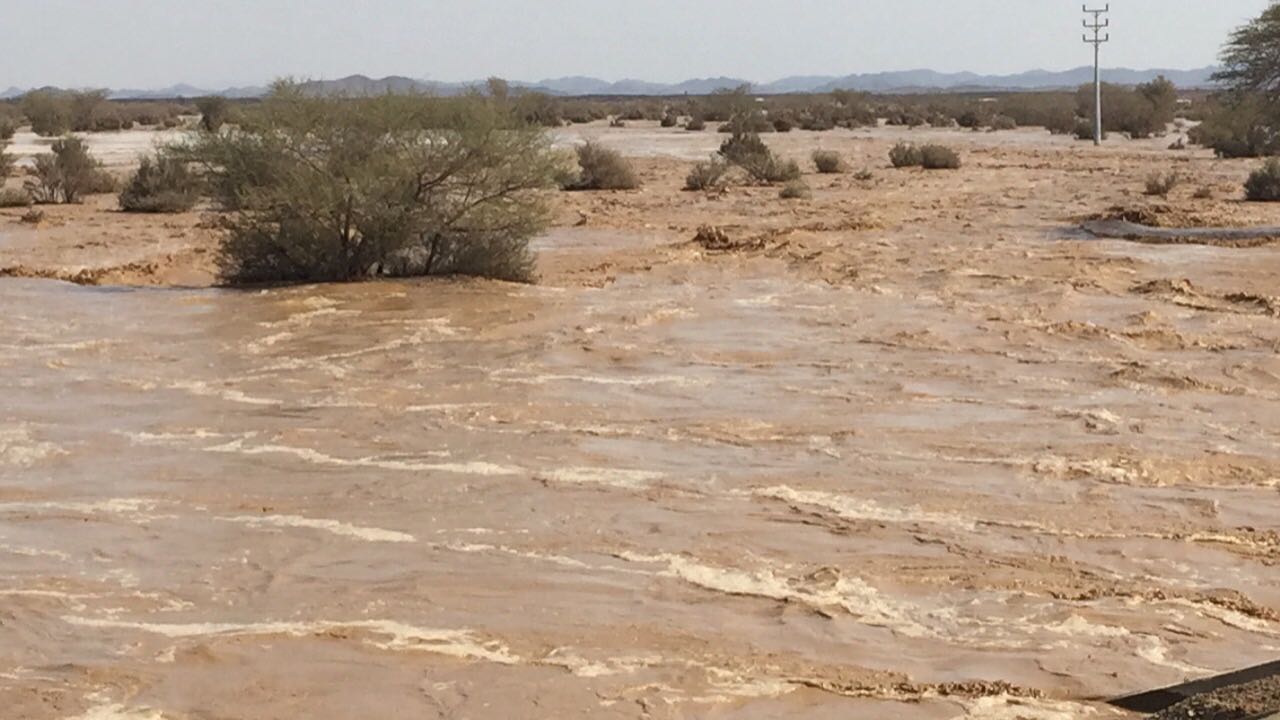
(200, 388)
(853, 595)
(462, 644)
(852, 508)
(1077, 626)
(238, 447)
(613, 477)
(514, 552)
(1156, 651)
(111, 506)
(368, 534)
(1006, 707)
(19, 449)
(116, 711)
(601, 380)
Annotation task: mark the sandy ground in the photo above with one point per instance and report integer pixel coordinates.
(913, 448)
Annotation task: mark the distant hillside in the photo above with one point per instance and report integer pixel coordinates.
(884, 82)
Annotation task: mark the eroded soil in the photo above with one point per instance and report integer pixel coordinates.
(913, 448)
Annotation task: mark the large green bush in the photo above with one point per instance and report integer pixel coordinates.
(1263, 184)
(161, 184)
(1142, 112)
(67, 174)
(603, 169)
(335, 189)
(48, 112)
(1239, 126)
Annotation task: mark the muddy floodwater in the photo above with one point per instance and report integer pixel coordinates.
(951, 472)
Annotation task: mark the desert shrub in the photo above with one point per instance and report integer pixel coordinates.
(8, 128)
(783, 125)
(1240, 126)
(1263, 184)
(13, 198)
(817, 120)
(708, 175)
(603, 169)
(161, 184)
(795, 190)
(331, 189)
(617, 123)
(969, 119)
(536, 108)
(48, 112)
(906, 155)
(1162, 184)
(1003, 122)
(696, 124)
(1142, 112)
(939, 157)
(1179, 144)
(828, 162)
(864, 175)
(67, 174)
(213, 112)
(1085, 128)
(86, 108)
(669, 120)
(6, 160)
(749, 152)
(1204, 192)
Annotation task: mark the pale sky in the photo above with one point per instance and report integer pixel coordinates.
(219, 43)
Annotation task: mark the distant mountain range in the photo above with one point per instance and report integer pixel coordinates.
(883, 82)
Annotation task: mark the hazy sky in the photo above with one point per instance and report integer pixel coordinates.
(151, 43)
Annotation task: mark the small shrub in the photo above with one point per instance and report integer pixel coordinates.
(696, 124)
(748, 151)
(163, 184)
(905, 155)
(11, 198)
(1263, 184)
(68, 173)
(1003, 122)
(1060, 121)
(795, 190)
(1162, 184)
(939, 157)
(669, 120)
(603, 169)
(617, 123)
(33, 216)
(782, 125)
(708, 175)
(1204, 192)
(6, 160)
(1084, 129)
(213, 112)
(828, 162)
(864, 175)
(7, 128)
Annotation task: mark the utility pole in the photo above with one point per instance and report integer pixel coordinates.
(1097, 26)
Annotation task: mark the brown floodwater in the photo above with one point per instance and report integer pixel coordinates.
(710, 490)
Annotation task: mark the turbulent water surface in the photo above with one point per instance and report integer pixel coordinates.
(709, 491)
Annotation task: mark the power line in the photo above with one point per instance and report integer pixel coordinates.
(1097, 26)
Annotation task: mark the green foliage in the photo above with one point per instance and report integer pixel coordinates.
(748, 151)
(13, 198)
(828, 162)
(710, 175)
(67, 174)
(213, 112)
(1239, 126)
(1142, 112)
(795, 190)
(905, 155)
(939, 157)
(334, 189)
(603, 169)
(48, 113)
(85, 109)
(1251, 63)
(161, 184)
(1162, 184)
(1263, 184)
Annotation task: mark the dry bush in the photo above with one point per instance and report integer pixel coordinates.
(321, 189)
(696, 124)
(795, 190)
(710, 175)
(8, 127)
(213, 112)
(1161, 184)
(864, 175)
(669, 120)
(161, 184)
(48, 112)
(905, 155)
(1204, 192)
(603, 169)
(939, 157)
(1002, 122)
(6, 160)
(1238, 127)
(14, 198)
(1263, 184)
(68, 174)
(748, 151)
(1141, 112)
(828, 162)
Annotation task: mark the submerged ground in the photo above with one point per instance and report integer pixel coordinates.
(913, 448)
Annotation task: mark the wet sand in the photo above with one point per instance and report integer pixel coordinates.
(912, 449)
